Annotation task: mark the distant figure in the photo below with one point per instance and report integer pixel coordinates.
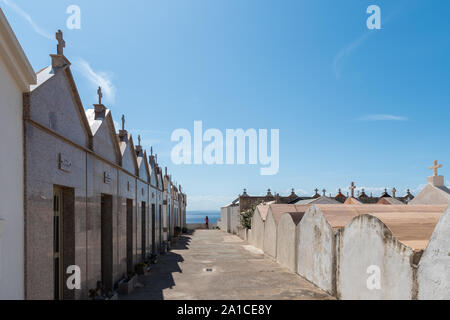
(207, 222)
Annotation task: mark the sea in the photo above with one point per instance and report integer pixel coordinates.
(199, 216)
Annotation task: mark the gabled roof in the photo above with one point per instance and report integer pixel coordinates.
(321, 200)
(390, 201)
(432, 195)
(44, 75)
(15, 59)
(142, 162)
(128, 145)
(96, 124)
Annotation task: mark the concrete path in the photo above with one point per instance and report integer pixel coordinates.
(213, 265)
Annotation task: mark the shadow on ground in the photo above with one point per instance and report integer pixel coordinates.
(160, 276)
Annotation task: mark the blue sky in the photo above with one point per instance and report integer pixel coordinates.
(351, 104)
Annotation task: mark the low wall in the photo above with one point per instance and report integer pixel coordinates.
(368, 254)
(316, 250)
(434, 268)
(287, 243)
(270, 236)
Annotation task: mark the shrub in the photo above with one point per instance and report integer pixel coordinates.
(246, 217)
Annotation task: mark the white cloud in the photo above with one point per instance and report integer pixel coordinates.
(28, 18)
(343, 53)
(383, 117)
(99, 78)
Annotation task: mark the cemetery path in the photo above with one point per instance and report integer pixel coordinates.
(213, 265)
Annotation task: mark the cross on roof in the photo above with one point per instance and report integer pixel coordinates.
(100, 95)
(123, 122)
(61, 43)
(352, 189)
(435, 167)
(324, 192)
(139, 140)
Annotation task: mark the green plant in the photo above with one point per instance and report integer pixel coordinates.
(246, 217)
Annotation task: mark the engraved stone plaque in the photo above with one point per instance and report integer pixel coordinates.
(106, 178)
(64, 163)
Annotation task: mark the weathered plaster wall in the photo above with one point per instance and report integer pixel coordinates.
(287, 243)
(257, 234)
(367, 242)
(434, 266)
(11, 196)
(316, 250)
(270, 236)
(235, 219)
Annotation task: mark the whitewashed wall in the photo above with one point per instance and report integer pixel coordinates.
(434, 267)
(316, 250)
(287, 243)
(364, 244)
(11, 196)
(270, 236)
(256, 236)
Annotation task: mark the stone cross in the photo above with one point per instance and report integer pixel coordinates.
(352, 189)
(316, 190)
(61, 43)
(151, 151)
(100, 95)
(394, 192)
(123, 122)
(435, 168)
(139, 140)
(324, 192)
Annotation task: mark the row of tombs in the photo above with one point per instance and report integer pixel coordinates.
(94, 201)
(358, 251)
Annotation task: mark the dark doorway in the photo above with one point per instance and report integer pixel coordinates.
(107, 243)
(63, 240)
(130, 268)
(144, 230)
(160, 227)
(153, 229)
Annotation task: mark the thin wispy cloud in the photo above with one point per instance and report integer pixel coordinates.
(344, 52)
(28, 18)
(352, 46)
(97, 78)
(382, 117)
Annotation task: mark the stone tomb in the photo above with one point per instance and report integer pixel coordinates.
(256, 237)
(271, 225)
(287, 239)
(378, 252)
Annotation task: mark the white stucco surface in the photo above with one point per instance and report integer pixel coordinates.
(256, 236)
(316, 251)
(270, 236)
(434, 268)
(287, 240)
(16, 75)
(367, 243)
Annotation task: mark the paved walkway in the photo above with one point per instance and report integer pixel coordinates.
(212, 265)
